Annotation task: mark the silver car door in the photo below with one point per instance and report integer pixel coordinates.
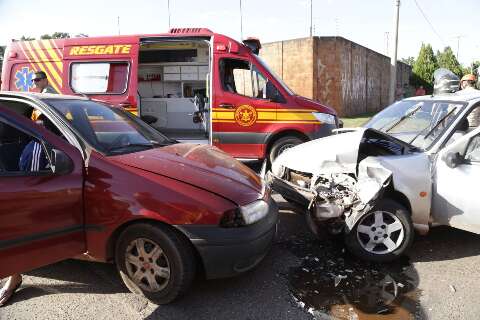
(456, 201)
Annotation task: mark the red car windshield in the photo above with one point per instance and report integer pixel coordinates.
(109, 130)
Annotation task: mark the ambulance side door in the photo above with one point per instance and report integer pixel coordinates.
(244, 106)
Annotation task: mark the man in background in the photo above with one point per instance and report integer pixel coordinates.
(41, 82)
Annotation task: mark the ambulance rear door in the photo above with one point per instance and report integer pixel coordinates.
(105, 70)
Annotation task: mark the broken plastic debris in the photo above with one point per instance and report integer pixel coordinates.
(316, 259)
(348, 270)
(305, 269)
(452, 288)
(338, 279)
(400, 285)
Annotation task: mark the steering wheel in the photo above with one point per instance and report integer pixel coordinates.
(121, 140)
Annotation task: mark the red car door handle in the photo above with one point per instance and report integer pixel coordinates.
(226, 105)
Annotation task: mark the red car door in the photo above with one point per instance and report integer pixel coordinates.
(41, 212)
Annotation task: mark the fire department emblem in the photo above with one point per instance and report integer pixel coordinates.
(245, 115)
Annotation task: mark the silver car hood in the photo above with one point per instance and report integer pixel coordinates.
(337, 153)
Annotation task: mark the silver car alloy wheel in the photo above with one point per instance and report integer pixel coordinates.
(380, 232)
(147, 265)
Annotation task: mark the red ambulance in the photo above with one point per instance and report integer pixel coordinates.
(191, 84)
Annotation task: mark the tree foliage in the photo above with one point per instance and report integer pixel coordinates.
(55, 35)
(447, 60)
(27, 38)
(410, 61)
(424, 67)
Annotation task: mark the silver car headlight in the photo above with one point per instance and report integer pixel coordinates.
(325, 117)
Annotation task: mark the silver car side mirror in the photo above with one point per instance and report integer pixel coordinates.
(454, 159)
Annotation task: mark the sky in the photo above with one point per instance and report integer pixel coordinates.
(367, 22)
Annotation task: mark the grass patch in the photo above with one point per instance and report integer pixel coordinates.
(357, 121)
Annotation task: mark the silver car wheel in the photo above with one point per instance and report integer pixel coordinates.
(380, 232)
(147, 265)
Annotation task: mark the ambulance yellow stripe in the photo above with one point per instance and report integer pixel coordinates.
(304, 122)
(57, 50)
(295, 116)
(223, 115)
(58, 62)
(42, 67)
(49, 65)
(28, 58)
(272, 115)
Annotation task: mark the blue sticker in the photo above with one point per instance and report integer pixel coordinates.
(24, 79)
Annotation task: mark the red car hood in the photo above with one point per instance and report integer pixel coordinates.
(203, 166)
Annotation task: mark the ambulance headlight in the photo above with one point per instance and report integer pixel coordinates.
(325, 117)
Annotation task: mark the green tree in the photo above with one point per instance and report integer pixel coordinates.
(23, 38)
(447, 60)
(410, 61)
(424, 67)
(55, 35)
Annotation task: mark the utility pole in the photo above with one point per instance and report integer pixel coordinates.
(118, 24)
(168, 8)
(311, 18)
(458, 44)
(241, 21)
(393, 58)
(387, 34)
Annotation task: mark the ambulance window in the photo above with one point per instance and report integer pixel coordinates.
(243, 78)
(99, 78)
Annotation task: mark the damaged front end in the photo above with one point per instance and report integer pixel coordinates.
(345, 183)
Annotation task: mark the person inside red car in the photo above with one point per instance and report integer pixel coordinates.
(33, 159)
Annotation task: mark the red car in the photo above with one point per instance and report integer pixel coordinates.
(116, 190)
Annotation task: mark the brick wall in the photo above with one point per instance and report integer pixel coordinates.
(335, 71)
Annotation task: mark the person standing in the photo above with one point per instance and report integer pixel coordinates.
(420, 91)
(468, 82)
(41, 82)
(467, 85)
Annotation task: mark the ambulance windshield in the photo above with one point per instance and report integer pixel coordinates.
(283, 84)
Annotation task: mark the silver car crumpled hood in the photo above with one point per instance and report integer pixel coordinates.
(333, 187)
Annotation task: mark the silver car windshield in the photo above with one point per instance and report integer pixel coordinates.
(416, 122)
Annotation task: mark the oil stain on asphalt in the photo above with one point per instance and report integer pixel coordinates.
(330, 283)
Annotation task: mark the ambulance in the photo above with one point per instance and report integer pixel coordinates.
(191, 84)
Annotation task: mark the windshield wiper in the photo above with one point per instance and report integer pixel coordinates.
(411, 113)
(124, 146)
(433, 128)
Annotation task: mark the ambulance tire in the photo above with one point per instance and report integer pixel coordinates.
(283, 144)
(177, 256)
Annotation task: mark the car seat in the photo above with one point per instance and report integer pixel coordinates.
(12, 143)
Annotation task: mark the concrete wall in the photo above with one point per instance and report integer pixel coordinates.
(292, 60)
(335, 71)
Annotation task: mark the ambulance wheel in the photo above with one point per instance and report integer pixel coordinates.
(281, 145)
(155, 262)
(383, 234)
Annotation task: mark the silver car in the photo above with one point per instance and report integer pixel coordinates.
(413, 166)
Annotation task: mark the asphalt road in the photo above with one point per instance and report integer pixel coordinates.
(301, 278)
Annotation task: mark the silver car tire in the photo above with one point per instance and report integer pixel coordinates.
(383, 234)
